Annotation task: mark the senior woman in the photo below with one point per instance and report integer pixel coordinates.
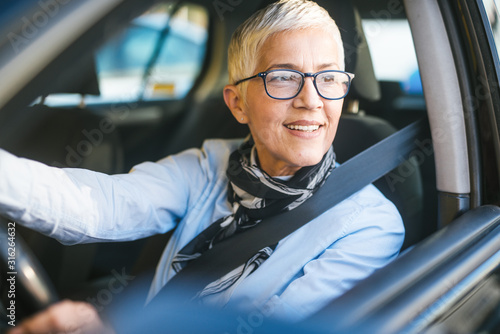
(288, 84)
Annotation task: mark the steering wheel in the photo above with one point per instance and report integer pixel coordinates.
(25, 287)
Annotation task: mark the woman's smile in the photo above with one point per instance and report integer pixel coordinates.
(304, 129)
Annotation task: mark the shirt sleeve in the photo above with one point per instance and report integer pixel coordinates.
(77, 205)
(371, 240)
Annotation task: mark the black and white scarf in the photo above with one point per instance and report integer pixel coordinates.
(253, 195)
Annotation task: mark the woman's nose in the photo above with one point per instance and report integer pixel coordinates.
(308, 97)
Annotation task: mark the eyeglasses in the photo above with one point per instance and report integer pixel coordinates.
(287, 84)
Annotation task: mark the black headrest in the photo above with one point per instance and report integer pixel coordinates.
(81, 78)
(357, 53)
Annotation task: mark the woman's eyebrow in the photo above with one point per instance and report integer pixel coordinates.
(328, 65)
(290, 66)
(287, 66)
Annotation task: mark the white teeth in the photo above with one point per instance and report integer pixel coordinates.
(306, 128)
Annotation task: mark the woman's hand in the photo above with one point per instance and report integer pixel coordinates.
(64, 317)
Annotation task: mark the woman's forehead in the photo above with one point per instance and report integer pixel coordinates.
(297, 49)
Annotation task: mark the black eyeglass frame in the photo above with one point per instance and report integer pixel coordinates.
(263, 75)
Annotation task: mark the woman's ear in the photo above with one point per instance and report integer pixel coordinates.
(235, 103)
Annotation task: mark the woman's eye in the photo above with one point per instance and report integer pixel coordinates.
(278, 78)
(284, 78)
(328, 79)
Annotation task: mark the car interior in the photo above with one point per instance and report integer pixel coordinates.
(113, 136)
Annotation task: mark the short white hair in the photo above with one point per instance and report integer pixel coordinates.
(283, 15)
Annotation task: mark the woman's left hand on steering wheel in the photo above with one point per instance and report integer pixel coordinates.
(64, 317)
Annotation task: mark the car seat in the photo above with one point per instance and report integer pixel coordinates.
(66, 137)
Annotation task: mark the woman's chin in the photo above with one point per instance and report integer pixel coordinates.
(307, 159)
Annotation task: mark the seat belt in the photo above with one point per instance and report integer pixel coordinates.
(344, 181)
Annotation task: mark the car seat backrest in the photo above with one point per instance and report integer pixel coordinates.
(71, 137)
(403, 186)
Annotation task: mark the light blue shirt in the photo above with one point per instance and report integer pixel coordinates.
(188, 192)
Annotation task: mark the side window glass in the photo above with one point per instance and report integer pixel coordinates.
(391, 63)
(491, 7)
(157, 57)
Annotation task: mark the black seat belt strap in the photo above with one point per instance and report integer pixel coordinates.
(345, 180)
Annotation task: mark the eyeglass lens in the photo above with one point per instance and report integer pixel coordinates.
(286, 84)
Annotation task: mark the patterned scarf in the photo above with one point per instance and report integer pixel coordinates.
(253, 195)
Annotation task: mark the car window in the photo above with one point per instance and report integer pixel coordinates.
(391, 63)
(491, 7)
(158, 56)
